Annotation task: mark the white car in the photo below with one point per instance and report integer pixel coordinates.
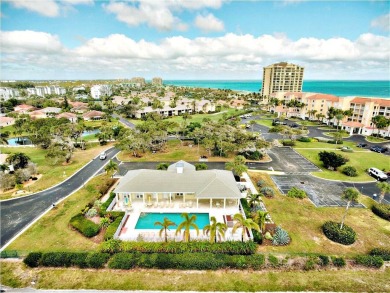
(103, 156)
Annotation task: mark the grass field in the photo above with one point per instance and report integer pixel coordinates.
(303, 222)
(332, 134)
(53, 174)
(326, 146)
(374, 139)
(17, 275)
(265, 122)
(52, 232)
(361, 160)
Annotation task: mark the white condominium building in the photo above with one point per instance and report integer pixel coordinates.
(7, 93)
(100, 90)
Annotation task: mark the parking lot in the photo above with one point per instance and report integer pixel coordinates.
(322, 193)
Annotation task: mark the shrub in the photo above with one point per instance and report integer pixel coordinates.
(332, 160)
(268, 236)
(344, 236)
(123, 261)
(84, 226)
(338, 261)
(246, 207)
(91, 213)
(335, 142)
(296, 193)
(288, 143)
(97, 260)
(64, 259)
(260, 183)
(111, 229)
(369, 261)
(252, 155)
(382, 252)
(111, 246)
(304, 139)
(32, 259)
(201, 166)
(105, 185)
(267, 191)
(350, 171)
(310, 264)
(382, 210)
(257, 237)
(323, 260)
(280, 237)
(273, 261)
(106, 204)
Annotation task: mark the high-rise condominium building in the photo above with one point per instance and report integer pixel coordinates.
(282, 77)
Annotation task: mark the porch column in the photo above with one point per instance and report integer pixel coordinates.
(351, 131)
(143, 197)
(184, 197)
(130, 196)
(170, 197)
(156, 194)
(211, 203)
(197, 203)
(224, 203)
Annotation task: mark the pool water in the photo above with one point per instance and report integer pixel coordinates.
(147, 220)
(86, 133)
(19, 141)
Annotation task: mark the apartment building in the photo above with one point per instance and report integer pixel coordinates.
(46, 90)
(6, 93)
(97, 91)
(157, 81)
(282, 77)
(138, 81)
(307, 105)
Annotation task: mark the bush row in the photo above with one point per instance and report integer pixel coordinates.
(245, 206)
(344, 236)
(227, 247)
(369, 261)
(105, 204)
(84, 226)
(382, 210)
(111, 229)
(185, 261)
(381, 252)
(67, 259)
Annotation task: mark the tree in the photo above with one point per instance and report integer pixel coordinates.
(201, 166)
(215, 229)
(162, 166)
(380, 121)
(351, 195)
(332, 160)
(252, 123)
(254, 199)
(237, 166)
(111, 167)
(165, 226)
(186, 225)
(260, 218)
(384, 188)
(338, 137)
(339, 117)
(243, 223)
(18, 160)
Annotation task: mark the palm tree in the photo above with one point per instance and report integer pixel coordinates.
(237, 166)
(260, 217)
(351, 195)
(111, 167)
(339, 117)
(165, 226)
(254, 199)
(244, 224)
(215, 229)
(384, 187)
(252, 123)
(186, 225)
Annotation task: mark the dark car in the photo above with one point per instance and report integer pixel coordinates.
(361, 145)
(378, 149)
(294, 125)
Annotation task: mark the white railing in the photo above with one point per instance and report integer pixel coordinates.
(112, 204)
(118, 231)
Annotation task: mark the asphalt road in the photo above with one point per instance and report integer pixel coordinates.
(17, 213)
(124, 121)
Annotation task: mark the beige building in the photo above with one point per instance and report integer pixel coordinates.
(157, 81)
(313, 104)
(282, 77)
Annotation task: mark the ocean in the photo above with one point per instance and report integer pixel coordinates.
(340, 88)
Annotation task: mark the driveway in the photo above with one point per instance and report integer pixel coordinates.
(124, 121)
(18, 213)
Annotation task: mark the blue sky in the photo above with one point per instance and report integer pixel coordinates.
(202, 39)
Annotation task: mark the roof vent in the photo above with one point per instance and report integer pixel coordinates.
(179, 168)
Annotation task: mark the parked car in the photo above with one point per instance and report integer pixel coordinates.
(103, 156)
(377, 174)
(361, 145)
(346, 149)
(378, 149)
(294, 125)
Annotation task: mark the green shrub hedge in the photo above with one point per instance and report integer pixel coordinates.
(185, 261)
(382, 210)
(295, 192)
(304, 139)
(381, 252)
(84, 226)
(369, 261)
(227, 247)
(338, 261)
(105, 205)
(344, 236)
(245, 206)
(323, 260)
(350, 171)
(67, 259)
(288, 143)
(111, 229)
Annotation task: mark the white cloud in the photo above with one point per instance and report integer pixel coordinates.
(382, 22)
(49, 8)
(209, 23)
(228, 56)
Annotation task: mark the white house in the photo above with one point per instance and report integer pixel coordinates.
(100, 90)
(6, 93)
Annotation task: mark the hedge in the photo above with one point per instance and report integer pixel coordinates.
(106, 204)
(67, 259)
(382, 210)
(381, 252)
(227, 247)
(344, 236)
(185, 261)
(111, 229)
(338, 261)
(84, 226)
(245, 206)
(304, 139)
(369, 261)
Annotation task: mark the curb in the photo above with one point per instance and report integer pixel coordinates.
(9, 199)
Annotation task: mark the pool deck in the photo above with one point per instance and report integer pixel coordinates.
(129, 233)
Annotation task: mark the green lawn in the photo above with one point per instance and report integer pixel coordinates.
(364, 280)
(325, 145)
(52, 232)
(53, 174)
(303, 222)
(332, 134)
(374, 139)
(361, 160)
(265, 122)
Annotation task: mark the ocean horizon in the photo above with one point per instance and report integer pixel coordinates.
(340, 88)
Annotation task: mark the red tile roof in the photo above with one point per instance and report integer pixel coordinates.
(323, 97)
(352, 124)
(91, 114)
(66, 115)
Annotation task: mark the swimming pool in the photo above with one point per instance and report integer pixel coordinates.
(147, 220)
(19, 141)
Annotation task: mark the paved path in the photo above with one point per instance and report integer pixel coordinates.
(18, 213)
(124, 121)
